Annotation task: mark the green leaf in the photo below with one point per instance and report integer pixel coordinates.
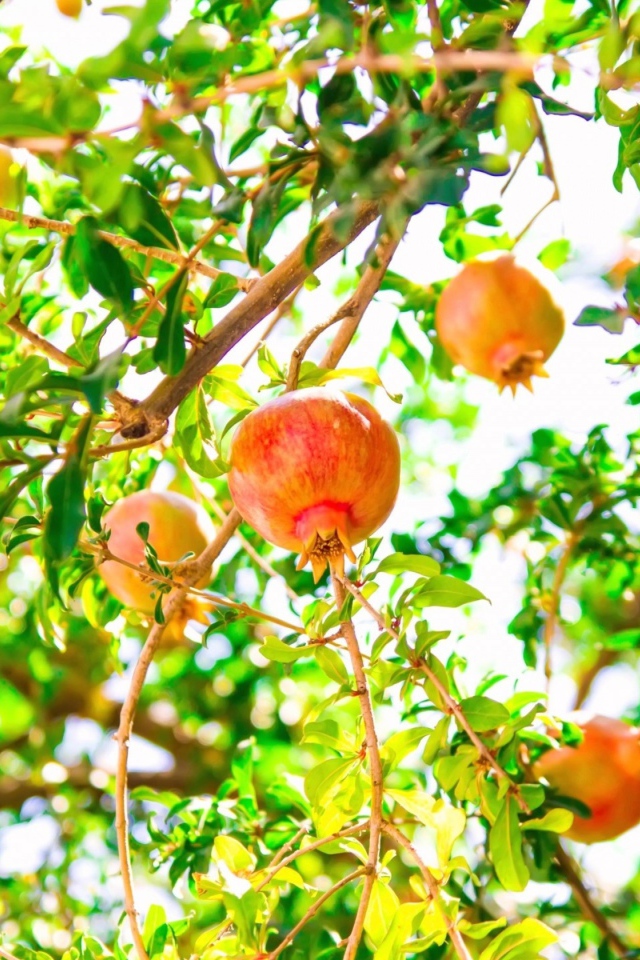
(402, 743)
(445, 591)
(170, 351)
(505, 846)
(155, 931)
(194, 435)
(555, 254)
(321, 780)
(103, 265)
(555, 821)
(141, 215)
(275, 649)
(610, 320)
(16, 713)
(382, 908)
(484, 714)
(222, 291)
(522, 941)
(408, 563)
(416, 802)
(331, 663)
(233, 853)
(67, 512)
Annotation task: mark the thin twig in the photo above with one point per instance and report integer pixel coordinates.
(42, 345)
(432, 886)
(107, 449)
(313, 909)
(356, 306)
(281, 312)
(251, 551)
(375, 769)
(66, 229)
(104, 553)
(453, 707)
(587, 906)
(123, 735)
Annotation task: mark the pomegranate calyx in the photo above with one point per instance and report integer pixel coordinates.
(519, 369)
(324, 532)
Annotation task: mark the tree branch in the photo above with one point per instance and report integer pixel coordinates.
(432, 886)
(453, 707)
(587, 906)
(42, 345)
(355, 307)
(313, 909)
(66, 229)
(196, 570)
(375, 769)
(265, 296)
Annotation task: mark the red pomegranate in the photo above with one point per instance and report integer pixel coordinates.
(497, 320)
(315, 471)
(177, 526)
(603, 771)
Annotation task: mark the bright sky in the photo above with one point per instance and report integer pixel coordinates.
(582, 390)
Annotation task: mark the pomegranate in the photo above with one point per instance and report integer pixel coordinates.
(603, 771)
(177, 526)
(315, 471)
(70, 8)
(497, 320)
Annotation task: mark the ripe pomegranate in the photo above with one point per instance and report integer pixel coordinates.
(70, 8)
(315, 471)
(603, 771)
(176, 526)
(497, 320)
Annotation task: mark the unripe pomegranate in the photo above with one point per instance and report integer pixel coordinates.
(315, 471)
(177, 526)
(70, 8)
(603, 771)
(497, 320)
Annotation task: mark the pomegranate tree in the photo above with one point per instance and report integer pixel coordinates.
(315, 471)
(496, 319)
(177, 526)
(603, 772)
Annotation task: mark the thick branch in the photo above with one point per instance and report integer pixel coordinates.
(375, 769)
(431, 884)
(261, 300)
(587, 906)
(452, 705)
(170, 608)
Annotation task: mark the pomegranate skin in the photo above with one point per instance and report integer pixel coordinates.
(603, 771)
(315, 471)
(496, 319)
(70, 8)
(176, 526)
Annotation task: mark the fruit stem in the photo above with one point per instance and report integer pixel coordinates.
(375, 767)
